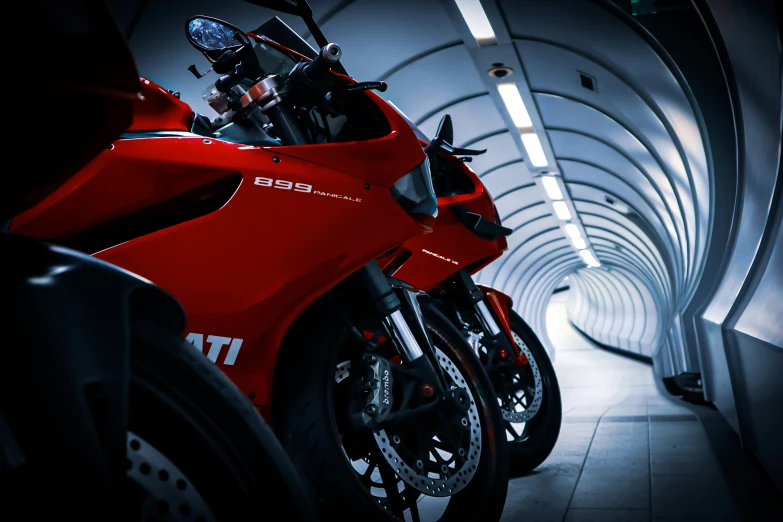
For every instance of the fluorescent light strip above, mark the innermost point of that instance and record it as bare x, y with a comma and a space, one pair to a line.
477, 21
579, 242
514, 105
588, 258
561, 209
572, 230
551, 186
534, 149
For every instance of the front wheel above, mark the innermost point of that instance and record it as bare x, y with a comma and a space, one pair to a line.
196, 447
423, 467
532, 410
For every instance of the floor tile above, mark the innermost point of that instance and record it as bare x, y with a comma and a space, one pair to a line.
618, 429
700, 519
561, 465
607, 515
612, 489
595, 463
693, 496
540, 497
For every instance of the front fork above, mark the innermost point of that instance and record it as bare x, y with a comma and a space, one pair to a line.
424, 389
494, 333
414, 346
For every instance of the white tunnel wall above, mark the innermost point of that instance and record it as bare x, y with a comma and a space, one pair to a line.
632, 157
616, 309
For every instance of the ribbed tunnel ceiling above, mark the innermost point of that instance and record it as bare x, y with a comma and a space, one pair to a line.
630, 151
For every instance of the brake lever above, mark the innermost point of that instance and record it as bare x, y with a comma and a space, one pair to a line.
337, 95
366, 86
451, 149
445, 146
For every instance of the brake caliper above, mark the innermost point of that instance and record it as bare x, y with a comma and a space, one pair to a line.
371, 391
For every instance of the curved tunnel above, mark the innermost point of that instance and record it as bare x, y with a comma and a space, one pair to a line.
650, 120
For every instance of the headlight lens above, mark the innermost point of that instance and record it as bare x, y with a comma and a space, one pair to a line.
415, 193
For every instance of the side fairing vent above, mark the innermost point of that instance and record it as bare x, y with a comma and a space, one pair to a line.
184, 207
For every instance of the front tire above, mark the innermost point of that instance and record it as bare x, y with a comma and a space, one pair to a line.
531, 443
308, 420
196, 446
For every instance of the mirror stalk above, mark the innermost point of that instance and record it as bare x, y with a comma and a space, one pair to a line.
195, 72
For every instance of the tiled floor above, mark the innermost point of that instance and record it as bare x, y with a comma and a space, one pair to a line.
625, 453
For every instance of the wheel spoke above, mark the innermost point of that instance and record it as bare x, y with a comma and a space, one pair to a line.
410, 497
366, 477
446, 437
389, 479
438, 458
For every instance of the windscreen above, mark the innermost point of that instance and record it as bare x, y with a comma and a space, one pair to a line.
419, 133
273, 61
278, 31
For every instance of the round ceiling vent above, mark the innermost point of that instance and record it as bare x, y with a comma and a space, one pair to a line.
499, 70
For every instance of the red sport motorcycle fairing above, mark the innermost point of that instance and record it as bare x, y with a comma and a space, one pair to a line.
265, 223
466, 237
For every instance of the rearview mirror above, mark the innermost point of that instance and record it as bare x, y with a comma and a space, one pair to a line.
210, 34
445, 129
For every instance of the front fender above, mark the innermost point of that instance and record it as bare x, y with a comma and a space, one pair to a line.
52, 281
501, 306
67, 319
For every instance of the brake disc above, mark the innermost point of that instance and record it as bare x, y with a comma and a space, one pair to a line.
168, 493
513, 410
447, 480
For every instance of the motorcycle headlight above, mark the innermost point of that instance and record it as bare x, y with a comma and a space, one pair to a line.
415, 193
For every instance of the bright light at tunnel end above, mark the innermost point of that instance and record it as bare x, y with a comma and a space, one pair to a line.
477, 21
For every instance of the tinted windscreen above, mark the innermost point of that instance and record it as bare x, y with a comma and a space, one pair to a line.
273, 61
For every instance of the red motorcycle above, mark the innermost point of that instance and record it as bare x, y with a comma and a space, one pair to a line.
265, 223
466, 237
100, 396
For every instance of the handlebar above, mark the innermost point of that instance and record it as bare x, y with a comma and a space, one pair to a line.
326, 59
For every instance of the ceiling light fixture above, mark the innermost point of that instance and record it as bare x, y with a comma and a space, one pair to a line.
552, 187
477, 21
588, 258
579, 242
561, 209
572, 230
534, 149
514, 105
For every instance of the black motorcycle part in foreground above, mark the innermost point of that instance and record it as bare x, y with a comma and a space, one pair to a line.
106, 412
